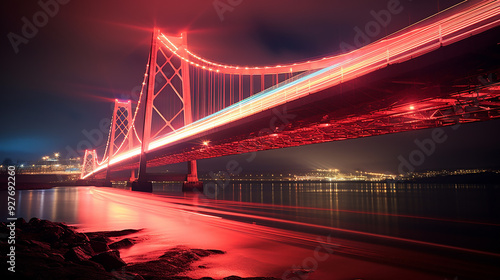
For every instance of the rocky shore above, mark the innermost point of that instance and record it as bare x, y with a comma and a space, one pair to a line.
50, 250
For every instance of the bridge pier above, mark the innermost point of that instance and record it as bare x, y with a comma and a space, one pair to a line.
132, 176
192, 183
140, 185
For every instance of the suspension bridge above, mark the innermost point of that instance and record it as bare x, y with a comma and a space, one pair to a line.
440, 71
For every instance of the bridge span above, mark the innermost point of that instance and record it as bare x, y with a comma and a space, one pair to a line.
441, 71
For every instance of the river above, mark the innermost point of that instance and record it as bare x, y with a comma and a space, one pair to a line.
461, 217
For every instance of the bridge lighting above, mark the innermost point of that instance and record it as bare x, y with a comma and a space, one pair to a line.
324, 76
56, 155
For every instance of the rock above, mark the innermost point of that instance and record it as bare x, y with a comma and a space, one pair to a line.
71, 236
39, 255
77, 254
87, 248
93, 235
93, 264
34, 221
24, 242
56, 257
204, 253
180, 256
99, 238
50, 232
99, 246
124, 243
125, 275
41, 244
55, 265
110, 260
215, 252
135, 276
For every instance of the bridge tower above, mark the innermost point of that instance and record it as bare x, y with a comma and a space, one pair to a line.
182, 90
89, 162
121, 132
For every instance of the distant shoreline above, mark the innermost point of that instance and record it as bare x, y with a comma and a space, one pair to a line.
37, 182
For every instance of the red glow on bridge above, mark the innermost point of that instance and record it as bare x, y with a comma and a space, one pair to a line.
206, 97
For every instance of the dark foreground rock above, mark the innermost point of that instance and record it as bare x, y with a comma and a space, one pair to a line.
174, 261
49, 250
124, 243
110, 260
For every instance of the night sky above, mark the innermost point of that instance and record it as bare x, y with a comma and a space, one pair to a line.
64, 78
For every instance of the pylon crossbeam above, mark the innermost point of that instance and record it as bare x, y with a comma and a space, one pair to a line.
89, 162
163, 118
169, 80
168, 123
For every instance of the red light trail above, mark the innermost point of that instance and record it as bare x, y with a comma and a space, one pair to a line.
451, 26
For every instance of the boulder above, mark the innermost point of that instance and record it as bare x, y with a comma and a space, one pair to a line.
71, 236
77, 254
125, 275
34, 221
56, 257
124, 243
204, 253
50, 232
99, 246
99, 238
42, 245
110, 260
92, 264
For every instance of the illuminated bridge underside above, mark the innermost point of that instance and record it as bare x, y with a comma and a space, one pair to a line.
452, 86
430, 76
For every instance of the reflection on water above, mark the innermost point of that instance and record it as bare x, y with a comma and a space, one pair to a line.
72, 205
459, 215
464, 215
457, 201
